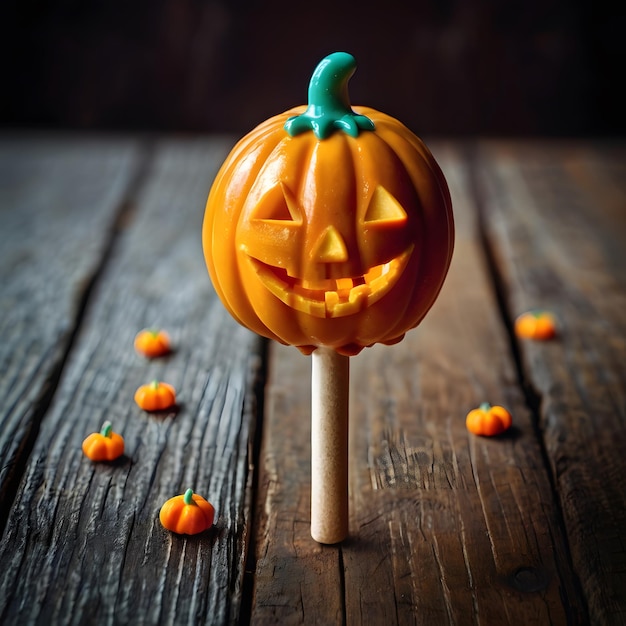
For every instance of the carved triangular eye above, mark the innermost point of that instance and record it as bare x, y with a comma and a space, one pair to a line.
278, 204
383, 207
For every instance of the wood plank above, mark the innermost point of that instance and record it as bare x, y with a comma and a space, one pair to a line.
445, 527
556, 218
59, 200
297, 581
83, 541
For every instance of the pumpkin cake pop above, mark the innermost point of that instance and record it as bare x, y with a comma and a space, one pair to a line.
329, 228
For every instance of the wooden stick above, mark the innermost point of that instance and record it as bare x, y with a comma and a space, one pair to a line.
330, 382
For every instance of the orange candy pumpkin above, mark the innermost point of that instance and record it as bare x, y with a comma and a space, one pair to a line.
540, 325
152, 343
105, 445
488, 420
187, 514
329, 225
155, 396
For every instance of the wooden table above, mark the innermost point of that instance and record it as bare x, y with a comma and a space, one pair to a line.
101, 237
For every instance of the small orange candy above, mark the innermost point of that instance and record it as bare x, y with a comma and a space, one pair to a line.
105, 445
155, 396
488, 420
540, 325
187, 514
152, 343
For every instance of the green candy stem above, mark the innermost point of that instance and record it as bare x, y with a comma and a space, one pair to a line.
106, 429
485, 406
188, 497
329, 103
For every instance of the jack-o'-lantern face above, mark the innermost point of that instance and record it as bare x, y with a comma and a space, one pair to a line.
320, 268
341, 241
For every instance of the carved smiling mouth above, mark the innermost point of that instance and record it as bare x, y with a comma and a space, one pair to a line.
332, 297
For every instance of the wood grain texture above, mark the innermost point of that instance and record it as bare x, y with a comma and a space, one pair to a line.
445, 527
59, 200
556, 217
83, 542
297, 580
101, 238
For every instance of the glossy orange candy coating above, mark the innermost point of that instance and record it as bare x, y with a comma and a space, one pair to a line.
342, 241
155, 396
187, 514
105, 445
488, 420
152, 343
540, 325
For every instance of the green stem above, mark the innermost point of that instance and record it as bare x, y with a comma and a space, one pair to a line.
107, 428
188, 497
329, 102
485, 406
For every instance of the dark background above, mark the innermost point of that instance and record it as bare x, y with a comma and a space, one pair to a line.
443, 67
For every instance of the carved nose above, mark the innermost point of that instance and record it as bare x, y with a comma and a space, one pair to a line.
330, 247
